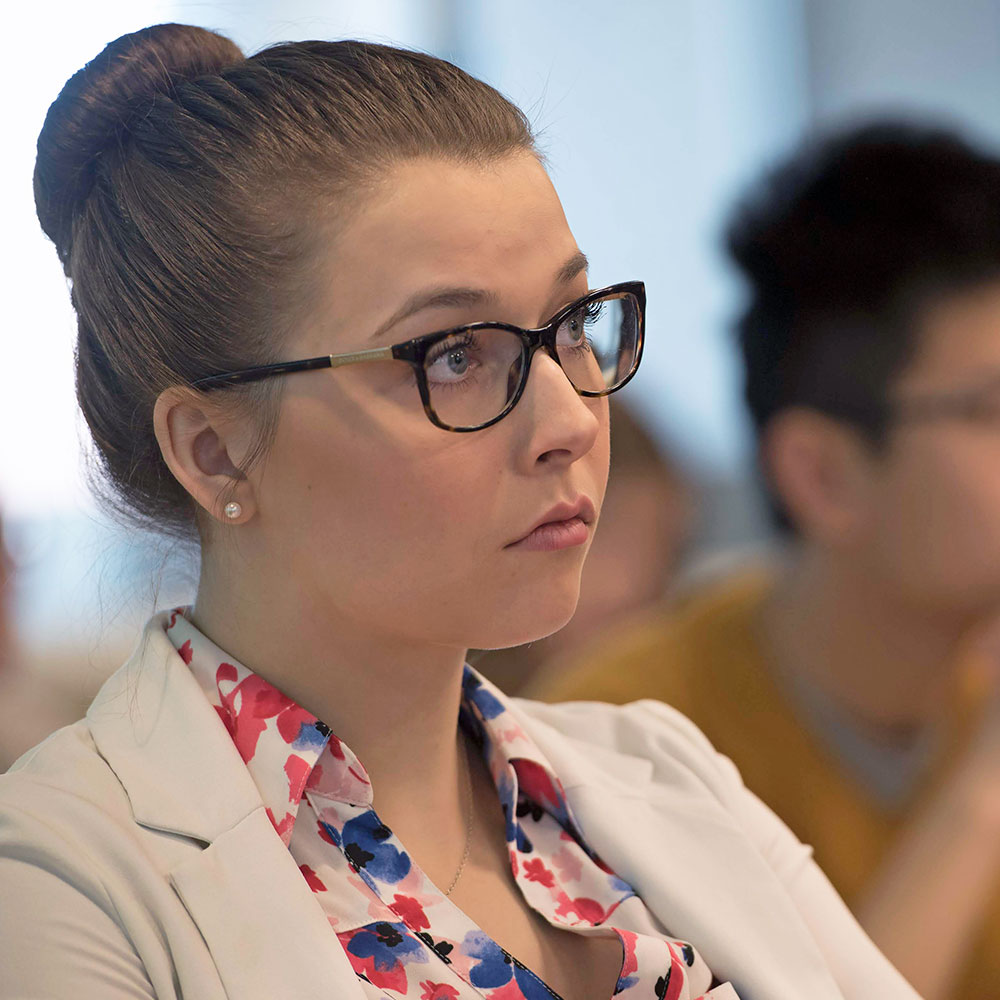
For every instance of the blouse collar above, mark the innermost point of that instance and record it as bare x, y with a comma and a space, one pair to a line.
287, 749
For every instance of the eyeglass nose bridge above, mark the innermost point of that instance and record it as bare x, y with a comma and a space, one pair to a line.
543, 338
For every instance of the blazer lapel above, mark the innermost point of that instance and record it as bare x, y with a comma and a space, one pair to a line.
267, 933
288, 948
695, 869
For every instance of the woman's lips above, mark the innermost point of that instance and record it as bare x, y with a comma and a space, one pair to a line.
554, 535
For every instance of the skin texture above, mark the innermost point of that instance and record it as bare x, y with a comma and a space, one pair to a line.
370, 553
895, 569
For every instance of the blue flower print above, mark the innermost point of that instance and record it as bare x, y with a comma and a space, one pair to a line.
328, 831
620, 885
487, 704
496, 968
368, 847
312, 736
625, 983
386, 944
515, 832
379, 953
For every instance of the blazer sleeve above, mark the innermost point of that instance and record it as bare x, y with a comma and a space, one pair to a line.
59, 936
859, 968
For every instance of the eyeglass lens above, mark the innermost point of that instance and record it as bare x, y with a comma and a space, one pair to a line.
473, 375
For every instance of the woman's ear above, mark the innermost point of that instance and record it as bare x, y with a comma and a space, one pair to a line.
204, 449
821, 471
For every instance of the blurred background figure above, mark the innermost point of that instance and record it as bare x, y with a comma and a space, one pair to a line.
32, 703
6, 611
853, 678
645, 524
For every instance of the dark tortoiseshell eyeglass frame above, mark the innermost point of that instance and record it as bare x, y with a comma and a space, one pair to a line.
415, 352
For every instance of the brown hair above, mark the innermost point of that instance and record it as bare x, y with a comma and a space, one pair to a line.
178, 181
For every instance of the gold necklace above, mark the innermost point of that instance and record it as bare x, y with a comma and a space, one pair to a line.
468, 820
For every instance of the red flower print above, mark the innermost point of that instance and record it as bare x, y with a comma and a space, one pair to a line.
186, 652
297, 771
673, 982
511, 990
291, 718
568, 865
535, 871
600, 864
437, 991
534, 782
283, 828
312, 879
628, 940
358, 777
324, 834
374, 960
225, 674
249, 705
411, 912
589, 911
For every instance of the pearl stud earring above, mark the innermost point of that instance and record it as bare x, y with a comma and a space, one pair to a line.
233, 510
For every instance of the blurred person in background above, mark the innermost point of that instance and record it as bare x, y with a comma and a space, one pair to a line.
6, 597
646, 521
31, 705
851, 678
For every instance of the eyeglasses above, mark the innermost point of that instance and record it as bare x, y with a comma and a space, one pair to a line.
469, 377
975, 404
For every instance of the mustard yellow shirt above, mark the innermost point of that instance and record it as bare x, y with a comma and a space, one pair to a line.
705, 656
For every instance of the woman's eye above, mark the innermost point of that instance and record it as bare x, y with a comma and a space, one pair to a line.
457, 361
573, 330
451, 360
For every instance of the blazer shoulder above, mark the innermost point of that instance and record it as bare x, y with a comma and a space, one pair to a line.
647, 729
58, 783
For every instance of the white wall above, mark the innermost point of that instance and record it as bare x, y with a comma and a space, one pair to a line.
653, 115
941, 58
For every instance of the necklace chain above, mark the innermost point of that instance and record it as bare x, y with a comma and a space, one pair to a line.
468, 818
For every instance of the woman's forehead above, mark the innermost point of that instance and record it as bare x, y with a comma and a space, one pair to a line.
430, 213
495, 228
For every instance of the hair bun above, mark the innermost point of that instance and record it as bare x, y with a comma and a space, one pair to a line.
97, 103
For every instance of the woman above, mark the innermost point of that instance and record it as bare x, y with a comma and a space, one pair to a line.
234, 229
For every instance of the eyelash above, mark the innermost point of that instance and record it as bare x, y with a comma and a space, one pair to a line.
442, 347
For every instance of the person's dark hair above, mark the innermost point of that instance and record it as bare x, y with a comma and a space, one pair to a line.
843, 246
180, 183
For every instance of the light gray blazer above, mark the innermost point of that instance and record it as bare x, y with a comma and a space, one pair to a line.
136, 859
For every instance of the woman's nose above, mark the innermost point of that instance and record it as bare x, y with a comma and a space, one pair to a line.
563, 425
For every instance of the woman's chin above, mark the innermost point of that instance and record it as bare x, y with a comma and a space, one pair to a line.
521, 632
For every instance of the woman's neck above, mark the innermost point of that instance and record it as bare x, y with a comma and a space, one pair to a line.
884, 662
394, 702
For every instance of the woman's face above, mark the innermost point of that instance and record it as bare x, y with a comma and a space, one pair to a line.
373, 514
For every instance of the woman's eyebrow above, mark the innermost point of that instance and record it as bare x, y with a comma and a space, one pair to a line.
458, 298
437, 298
575, 266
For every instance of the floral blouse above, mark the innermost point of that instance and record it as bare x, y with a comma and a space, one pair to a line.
402, 935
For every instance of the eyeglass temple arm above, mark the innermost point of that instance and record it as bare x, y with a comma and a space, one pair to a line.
353, 357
